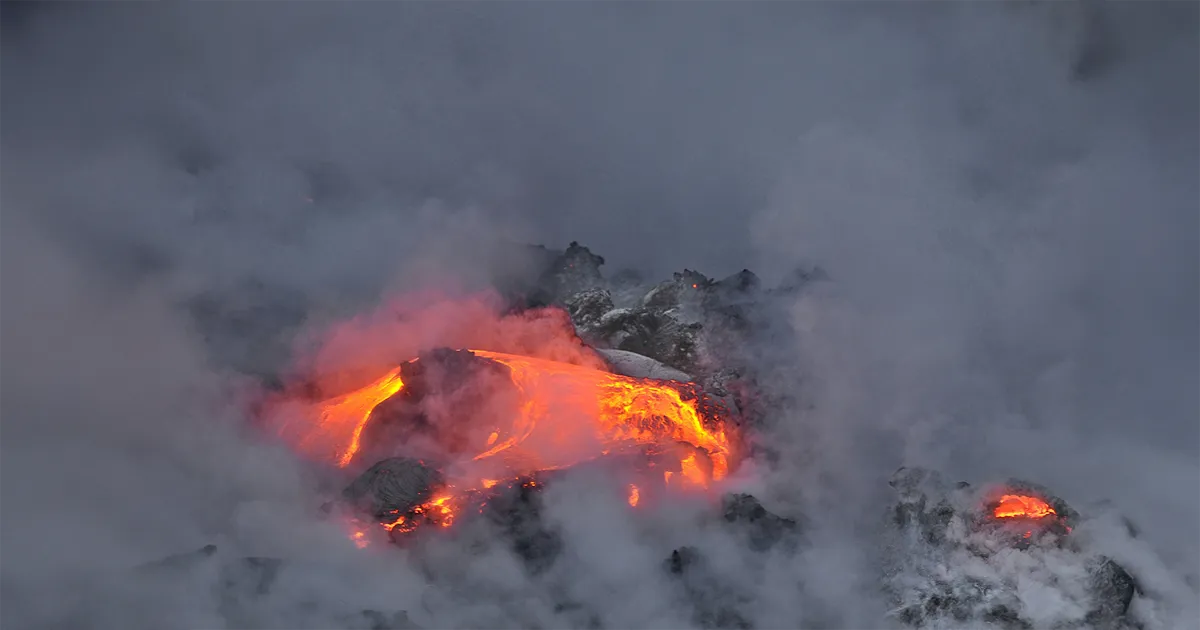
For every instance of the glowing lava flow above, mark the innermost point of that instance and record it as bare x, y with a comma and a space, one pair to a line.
618, 404
566, 414
1020, 506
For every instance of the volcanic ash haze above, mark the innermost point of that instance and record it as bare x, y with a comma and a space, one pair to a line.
1003, 196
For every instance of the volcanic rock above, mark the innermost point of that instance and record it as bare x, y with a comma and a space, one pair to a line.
951, 559
576, 269
714, 600
442, 389
392, 486
515, 510
587, 308
673, 293
690, 322
681, 559
764, 529
1114, 589
641, 366
658, 335
241, 585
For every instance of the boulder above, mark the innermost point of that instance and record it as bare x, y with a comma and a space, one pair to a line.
763, 529
392, 486
641, 366
951, 560
715, 602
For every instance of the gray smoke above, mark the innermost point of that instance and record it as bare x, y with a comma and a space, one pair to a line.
1005, 196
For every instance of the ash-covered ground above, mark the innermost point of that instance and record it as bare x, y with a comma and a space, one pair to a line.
973, 232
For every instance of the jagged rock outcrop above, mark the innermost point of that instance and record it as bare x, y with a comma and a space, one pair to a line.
716, 599
763, 529
517, 513
393, 486
716, 603
954, 556
574, 270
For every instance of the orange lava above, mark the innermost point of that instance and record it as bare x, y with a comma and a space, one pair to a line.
1020, 506
566, 414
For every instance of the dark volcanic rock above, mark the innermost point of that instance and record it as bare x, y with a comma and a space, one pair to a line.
690, 322
714, 599
953, 562
393, 486
1114, 589
449, 398
515, 510
682, 296
657, 335
763, 528
576, 269
922, 504
681, 559
587, 308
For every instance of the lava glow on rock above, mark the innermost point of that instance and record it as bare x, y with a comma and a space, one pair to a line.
1020, 506
1029, 511
555, 398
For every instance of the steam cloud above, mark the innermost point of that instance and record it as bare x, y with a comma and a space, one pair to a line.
1005, 195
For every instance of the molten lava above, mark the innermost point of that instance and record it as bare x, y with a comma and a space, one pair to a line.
1020, 506
1025, 510
566, 414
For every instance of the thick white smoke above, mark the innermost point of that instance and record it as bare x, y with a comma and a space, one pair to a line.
1005, 197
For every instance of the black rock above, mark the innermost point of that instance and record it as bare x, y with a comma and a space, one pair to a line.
742, 282
954, 524
765, 529
714, 599
682, 286
393, 486
515, 510
576, 269
1113, 588
681, 559
621, 328
588, 307
429, 417
923, 504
